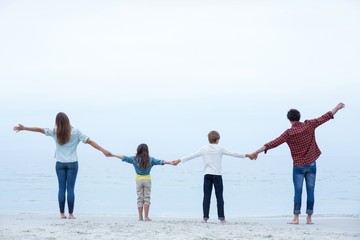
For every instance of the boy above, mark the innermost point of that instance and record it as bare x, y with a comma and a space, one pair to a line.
212, 156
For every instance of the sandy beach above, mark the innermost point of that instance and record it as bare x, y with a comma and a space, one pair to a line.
42, 226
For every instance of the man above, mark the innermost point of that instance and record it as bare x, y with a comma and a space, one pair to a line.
304, 151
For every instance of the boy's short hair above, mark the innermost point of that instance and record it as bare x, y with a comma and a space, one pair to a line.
213, 136
293, 115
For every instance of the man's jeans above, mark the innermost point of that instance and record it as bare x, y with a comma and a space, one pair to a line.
308, 173
209, 181
66, 173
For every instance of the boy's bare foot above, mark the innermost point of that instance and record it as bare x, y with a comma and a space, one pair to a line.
295, 220
308, 220
62, 216
71, 216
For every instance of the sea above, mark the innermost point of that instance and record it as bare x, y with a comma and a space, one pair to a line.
106, 186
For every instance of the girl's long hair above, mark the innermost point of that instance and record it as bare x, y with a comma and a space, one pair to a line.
142, 155
63, 128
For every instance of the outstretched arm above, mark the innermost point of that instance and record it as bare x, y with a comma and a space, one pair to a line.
21, 127
98, 147
169, 162
337, 108
117, 156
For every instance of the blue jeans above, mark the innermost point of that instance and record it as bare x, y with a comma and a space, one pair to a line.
66, 173
209, 181
308, 173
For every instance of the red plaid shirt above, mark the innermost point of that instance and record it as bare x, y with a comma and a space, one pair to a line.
301, 140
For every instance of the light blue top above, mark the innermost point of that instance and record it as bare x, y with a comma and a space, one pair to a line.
68, 152
136, 161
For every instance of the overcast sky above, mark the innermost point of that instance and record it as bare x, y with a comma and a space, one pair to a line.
167, 72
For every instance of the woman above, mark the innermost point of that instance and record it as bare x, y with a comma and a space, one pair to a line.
66, 139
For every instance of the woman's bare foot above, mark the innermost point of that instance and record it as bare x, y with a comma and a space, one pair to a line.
295, 220
147, 219
71, 216
223, 221
204, 220
308, 220
62, 216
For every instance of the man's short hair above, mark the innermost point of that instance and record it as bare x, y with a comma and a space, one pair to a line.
293, 115
213, 136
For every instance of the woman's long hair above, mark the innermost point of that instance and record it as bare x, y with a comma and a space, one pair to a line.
63, 128
142, 155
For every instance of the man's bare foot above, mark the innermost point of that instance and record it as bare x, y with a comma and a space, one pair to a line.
140, 219
147, 219
71, 216
295, 220
308, 220
62, 216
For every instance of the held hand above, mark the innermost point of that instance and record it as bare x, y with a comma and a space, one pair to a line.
176, 162
107, 153
253, 156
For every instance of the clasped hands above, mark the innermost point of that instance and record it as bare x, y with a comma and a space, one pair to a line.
252, 156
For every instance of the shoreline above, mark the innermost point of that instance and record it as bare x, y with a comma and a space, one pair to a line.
112, 226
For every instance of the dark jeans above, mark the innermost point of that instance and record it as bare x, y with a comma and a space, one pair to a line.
66, 173
308, 173
209, 181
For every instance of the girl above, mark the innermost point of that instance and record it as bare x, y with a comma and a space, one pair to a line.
66, 139
143, 163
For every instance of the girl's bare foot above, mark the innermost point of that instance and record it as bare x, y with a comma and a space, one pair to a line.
62, 216
71, 216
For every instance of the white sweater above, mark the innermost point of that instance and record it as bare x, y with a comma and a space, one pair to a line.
212, 156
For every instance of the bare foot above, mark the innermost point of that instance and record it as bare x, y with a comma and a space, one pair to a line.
294, 222
223, 221
140, 219
308, 220
204, 221
295, 219
147, 219
62, 216
71, 216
